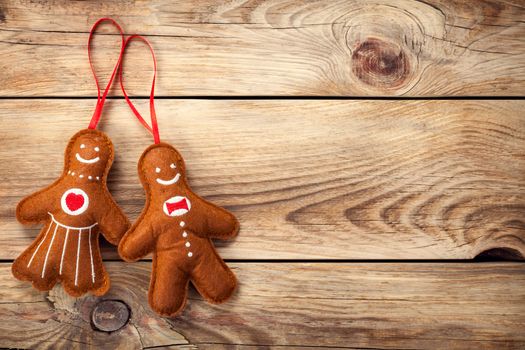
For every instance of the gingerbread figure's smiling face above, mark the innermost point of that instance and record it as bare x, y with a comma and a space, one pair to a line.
88, 155
162, 166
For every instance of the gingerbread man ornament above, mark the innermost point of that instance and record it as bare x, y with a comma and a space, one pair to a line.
75, 209
177, 226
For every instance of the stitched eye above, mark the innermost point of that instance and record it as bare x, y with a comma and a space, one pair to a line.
157, 170
97, 149
82, 146
173, 166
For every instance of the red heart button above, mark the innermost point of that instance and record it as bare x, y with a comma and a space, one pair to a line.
74, 201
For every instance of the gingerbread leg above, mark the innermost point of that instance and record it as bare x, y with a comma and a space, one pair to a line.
81, 265
37, 263
168, 288
213, 279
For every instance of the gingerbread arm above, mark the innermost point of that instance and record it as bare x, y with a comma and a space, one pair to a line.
36, 207
212, 221
112, 221
139, 241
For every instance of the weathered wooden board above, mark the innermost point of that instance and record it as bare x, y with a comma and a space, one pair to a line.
386, 306
370, 48
307, 179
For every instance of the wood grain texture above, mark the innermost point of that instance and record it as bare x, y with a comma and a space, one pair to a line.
34, 320
384, 306
367, 48
307, 179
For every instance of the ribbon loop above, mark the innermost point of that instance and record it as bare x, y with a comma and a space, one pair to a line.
102, 98
154, 129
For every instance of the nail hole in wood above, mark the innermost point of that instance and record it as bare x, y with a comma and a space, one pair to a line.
495, 254
110, 315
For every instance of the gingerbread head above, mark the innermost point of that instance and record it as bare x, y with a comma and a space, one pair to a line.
89, 153
74, 210
162, 166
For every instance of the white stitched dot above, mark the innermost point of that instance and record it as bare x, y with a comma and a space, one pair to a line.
69, 171
182, 223
73, 173
157, 170
97, 149
173, 166
184, 234
82, 146
98, 178
190, 254
188, 244
90, 177
80, 176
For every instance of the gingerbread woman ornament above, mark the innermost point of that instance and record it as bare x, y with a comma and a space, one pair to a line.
75, 209
177, 226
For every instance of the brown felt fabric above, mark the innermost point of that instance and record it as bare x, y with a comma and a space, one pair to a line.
67, 248
181, 239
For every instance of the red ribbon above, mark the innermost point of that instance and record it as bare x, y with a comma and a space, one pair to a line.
101, 99
154, 129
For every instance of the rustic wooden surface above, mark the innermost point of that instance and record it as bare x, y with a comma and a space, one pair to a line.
311, 180
367, 305
307, 179
293, 47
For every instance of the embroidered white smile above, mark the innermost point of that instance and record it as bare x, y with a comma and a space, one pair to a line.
169, 182
87, 161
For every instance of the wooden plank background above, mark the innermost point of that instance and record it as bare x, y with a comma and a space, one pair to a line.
292, 47
370, 305
307, 179
350, 208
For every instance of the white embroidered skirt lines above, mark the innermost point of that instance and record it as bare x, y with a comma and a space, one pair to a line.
68, 229
63, 251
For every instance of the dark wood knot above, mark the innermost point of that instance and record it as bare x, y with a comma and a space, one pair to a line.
110, 315
498, 254
380, 63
